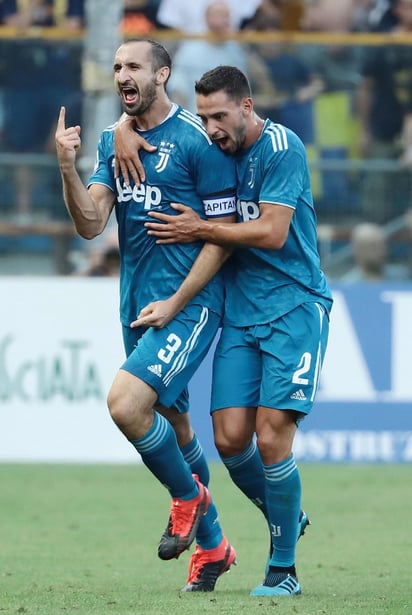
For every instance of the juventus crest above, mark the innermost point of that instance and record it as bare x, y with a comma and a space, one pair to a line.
165, 149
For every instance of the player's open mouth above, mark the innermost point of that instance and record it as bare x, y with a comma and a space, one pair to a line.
130, 95
221, 141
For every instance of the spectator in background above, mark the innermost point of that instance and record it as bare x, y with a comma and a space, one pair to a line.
107, 265
349, 15
5, 20
384, 106
139, 17
195, 57
380, 16
329, 15
267, 16
285, 84
370, 253
24, 14
7, 13
40, 76
104, 261
189, 15
338, 65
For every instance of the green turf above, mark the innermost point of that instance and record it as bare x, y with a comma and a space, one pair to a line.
83, 539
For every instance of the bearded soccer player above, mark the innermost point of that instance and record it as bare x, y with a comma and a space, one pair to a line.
148, 399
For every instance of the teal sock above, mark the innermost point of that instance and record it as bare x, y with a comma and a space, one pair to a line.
283, 495
161, 454
246, 471
195, 457
209, 533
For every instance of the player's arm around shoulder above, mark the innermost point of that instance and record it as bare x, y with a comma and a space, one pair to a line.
269, 231
127, 144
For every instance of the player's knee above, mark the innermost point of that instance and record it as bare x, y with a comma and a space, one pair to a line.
118, 409
231, 444
126, 415
273, 449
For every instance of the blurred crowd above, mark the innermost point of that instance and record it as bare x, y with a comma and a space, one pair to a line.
348, 103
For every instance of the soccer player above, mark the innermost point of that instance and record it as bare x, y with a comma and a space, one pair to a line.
268, 360
148, 398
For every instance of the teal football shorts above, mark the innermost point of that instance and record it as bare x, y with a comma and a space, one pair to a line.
276, 365
167, 358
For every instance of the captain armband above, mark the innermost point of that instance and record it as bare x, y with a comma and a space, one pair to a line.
218, 206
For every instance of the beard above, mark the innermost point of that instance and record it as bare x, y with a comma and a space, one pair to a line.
148, 95
238, 139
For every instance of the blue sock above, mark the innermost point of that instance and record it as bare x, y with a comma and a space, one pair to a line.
209, 534
283, 495
162, 456
246, 471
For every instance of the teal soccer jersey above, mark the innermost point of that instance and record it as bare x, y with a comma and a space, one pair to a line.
266, 284
186, 168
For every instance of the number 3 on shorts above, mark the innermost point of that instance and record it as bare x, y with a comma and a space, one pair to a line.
166, 354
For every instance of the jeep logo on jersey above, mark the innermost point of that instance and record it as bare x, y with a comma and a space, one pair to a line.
149, 195
248, 210
164, 152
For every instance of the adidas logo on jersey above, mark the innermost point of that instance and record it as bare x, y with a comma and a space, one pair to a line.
155, 369
299, 395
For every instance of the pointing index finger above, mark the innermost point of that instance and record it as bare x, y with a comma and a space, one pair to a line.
62, 117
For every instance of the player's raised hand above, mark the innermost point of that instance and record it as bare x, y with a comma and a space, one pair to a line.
68, 140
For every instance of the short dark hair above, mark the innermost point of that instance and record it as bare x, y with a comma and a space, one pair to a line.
159, 55
227, 78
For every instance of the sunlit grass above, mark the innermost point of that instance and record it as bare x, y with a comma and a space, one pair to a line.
83, 539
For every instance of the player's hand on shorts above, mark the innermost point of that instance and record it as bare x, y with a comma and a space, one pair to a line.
157, 314
68, 140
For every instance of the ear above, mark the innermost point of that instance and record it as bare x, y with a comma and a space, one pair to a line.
162, 75
247, 105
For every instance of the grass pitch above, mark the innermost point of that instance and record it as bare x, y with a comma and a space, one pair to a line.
80, 540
